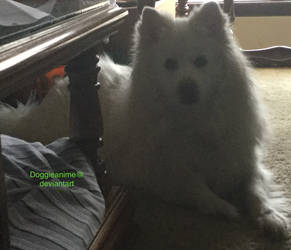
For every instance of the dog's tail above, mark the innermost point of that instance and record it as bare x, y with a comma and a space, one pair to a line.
50, 119
42, 122
10, 116
113, 75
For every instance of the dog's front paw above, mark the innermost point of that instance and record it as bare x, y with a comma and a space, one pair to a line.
229, 211
221, 207
274, 225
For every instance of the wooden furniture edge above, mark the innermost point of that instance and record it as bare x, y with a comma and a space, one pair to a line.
54, 46
87, 128
114, 225
39, 52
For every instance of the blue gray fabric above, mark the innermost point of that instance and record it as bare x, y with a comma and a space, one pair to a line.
50, 218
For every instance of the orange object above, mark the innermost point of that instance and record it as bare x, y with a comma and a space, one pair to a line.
57, 72
45, 82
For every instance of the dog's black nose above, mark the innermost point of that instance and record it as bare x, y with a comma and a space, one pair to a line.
188, 91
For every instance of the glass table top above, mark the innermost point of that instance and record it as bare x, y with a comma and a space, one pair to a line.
19, 17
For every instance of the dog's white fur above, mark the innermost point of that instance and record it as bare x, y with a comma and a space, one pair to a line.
203, 154
33, 122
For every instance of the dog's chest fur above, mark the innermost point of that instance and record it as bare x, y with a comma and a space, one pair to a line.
165, 143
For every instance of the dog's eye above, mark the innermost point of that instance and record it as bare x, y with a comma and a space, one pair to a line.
200, 61
171, 64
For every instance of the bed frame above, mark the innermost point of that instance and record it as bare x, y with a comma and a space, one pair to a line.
74, 43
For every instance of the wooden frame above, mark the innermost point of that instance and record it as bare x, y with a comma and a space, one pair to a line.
116, 222
39, 52
87, 131
74, 42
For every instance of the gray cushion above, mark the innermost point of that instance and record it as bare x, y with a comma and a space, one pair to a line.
55, 213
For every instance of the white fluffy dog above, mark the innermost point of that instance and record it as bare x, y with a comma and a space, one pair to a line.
187, 123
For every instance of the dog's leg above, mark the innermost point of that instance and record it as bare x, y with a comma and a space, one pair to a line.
210, 203
267, 206
189, 189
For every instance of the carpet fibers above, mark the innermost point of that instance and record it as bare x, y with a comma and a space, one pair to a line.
166, 227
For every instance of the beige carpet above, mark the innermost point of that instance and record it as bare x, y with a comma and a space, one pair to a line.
165, 227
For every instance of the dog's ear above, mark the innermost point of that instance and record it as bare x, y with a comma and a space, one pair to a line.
210, 16
152, 25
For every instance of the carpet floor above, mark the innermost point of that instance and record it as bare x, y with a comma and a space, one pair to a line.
163, 227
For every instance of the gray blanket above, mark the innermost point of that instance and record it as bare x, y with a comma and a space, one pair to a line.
54, 200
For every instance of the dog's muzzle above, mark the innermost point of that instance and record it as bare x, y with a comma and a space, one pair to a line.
188, 91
